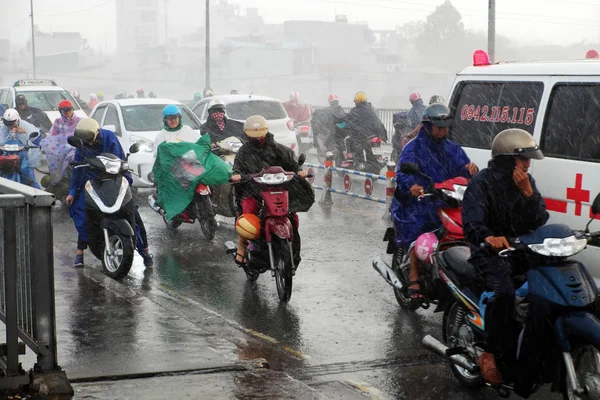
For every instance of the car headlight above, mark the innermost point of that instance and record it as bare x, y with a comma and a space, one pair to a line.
273, 179
565, 247
145, 144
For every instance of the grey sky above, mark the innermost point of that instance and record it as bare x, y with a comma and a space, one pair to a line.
529, 21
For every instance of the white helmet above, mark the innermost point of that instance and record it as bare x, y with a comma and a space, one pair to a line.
11, 115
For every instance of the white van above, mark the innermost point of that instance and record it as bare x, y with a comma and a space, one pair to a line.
559, 104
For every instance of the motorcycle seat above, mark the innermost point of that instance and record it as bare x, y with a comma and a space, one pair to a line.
457, 260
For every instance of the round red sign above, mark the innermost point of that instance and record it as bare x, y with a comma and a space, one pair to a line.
311, 173
347, 182
368, 186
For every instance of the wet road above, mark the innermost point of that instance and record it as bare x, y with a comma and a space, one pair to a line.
342, 332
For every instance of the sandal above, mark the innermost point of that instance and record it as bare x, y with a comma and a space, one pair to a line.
415, 294
241, 259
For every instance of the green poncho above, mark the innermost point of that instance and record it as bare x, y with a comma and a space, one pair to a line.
180, 167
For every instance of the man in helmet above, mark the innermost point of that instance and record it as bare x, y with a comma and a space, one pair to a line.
33, 115
502, 201
173, 128
141, 93
208, 93
58, 150
93, 101
416, 112
16, 131
259, 152
96, 141
219, 127
438, 158
100, 96
297, 111
323, 123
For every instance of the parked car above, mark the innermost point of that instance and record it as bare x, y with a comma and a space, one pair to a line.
139, 120
239, 107
44, 94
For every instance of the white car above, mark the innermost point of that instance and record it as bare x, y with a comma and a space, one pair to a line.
139, 120
44, 94
239, 107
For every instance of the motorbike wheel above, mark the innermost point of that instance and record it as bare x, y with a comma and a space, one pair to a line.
284, 268
586, 359
450, 331
119, 264
206, 217
402, 296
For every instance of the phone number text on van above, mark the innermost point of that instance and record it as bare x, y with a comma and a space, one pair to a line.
498, 114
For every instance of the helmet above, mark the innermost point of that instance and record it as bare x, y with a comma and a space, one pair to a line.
65, 105
140, 90
414, 96
20, 99
256, 126
436, 99
592, 54
234, 91
516, 142
438, 115
217, 106
360, 97
119, 96
197, 96
75, 94
11, 117
208, 93
294, 95
248, 226
171, 110
100, 94
425, 245
332, 97
87, 130
93, 96
152, 95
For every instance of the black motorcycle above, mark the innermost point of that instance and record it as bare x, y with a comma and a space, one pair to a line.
110, 211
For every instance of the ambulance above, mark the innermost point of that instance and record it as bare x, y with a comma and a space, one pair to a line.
559, 104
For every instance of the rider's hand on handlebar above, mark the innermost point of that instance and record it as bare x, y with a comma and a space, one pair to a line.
236, 178
417, 190
497, 242
302, 174
69, 200
473, 169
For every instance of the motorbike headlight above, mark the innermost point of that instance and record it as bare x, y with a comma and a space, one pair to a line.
145, 144
460, 189
111, 166
565, 247
273, 179
454, 194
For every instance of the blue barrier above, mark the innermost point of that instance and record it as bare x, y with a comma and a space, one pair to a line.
350, 171
350, 194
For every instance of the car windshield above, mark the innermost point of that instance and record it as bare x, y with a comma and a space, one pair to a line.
148, 117
268, 109
48, 100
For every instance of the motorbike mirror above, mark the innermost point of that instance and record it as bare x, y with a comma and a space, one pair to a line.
75, 142
134, 148
301, 159
595, 211
34, 135
410, 168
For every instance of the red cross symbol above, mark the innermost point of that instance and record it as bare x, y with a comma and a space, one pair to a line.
577, 194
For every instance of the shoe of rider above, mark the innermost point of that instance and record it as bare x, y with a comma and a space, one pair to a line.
148, 258
78, 261
489, 370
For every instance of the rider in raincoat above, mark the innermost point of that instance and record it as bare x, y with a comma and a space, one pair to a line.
13, 130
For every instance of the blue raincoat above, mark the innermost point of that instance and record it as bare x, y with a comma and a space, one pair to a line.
108, 144
27, 171
440, 161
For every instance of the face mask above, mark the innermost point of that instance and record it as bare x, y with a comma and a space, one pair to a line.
259, 142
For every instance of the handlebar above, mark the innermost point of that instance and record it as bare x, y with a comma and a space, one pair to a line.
250, 177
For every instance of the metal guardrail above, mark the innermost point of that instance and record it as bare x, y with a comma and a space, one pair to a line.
27, 304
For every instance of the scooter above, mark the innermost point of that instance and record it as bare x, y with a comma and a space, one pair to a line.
110, 210
451, 234
356, 157
223, 196
304, 136
558, 335
273, 250
14, 158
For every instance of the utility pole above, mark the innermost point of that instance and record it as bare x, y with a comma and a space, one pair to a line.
492, 31
33, 40
207, 46
166, 25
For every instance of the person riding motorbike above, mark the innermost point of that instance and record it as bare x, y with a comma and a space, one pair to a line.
219, 127
416, 112
259, 152
152, 95
324, 128
402, 132
173, 129
93, 101
141, 93
197, 96
297, 111
208, 93
100, 96
440, 159
84, 106
13, 130
501, 201
97, 141
55, 145
33, 115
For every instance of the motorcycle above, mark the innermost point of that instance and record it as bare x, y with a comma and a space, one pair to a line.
304, 136
223, 196
450, 234
365, 157
273, 250
558, 336
110, 210
187, 168
14, 157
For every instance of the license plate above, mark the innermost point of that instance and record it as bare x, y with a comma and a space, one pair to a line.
306, 139
377, 151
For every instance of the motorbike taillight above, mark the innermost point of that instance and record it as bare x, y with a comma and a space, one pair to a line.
10, 163
376, 142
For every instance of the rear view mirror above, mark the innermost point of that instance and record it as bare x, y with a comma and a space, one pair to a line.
596, 205
34, 135
301, 159
134, 148
410, 168
75, 142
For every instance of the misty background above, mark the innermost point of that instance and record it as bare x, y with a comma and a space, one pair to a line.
387, 48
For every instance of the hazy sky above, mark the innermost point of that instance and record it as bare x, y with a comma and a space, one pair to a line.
548, 21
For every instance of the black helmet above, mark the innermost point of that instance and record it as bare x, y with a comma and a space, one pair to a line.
216, 108
438, 115
20, 99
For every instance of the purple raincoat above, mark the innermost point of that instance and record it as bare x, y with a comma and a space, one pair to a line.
56, 147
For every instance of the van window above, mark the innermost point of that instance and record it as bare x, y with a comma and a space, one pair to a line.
483, 109
572, 123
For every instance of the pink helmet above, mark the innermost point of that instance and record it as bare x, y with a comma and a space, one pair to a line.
592, 54
332, 97
414, 96
425, 245
294, 96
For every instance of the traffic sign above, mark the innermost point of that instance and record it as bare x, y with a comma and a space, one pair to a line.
368, 186
347, 182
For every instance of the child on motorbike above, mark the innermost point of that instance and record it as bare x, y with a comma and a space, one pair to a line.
259, 152
16, 131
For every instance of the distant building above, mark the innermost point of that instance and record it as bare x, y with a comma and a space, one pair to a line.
137, 28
